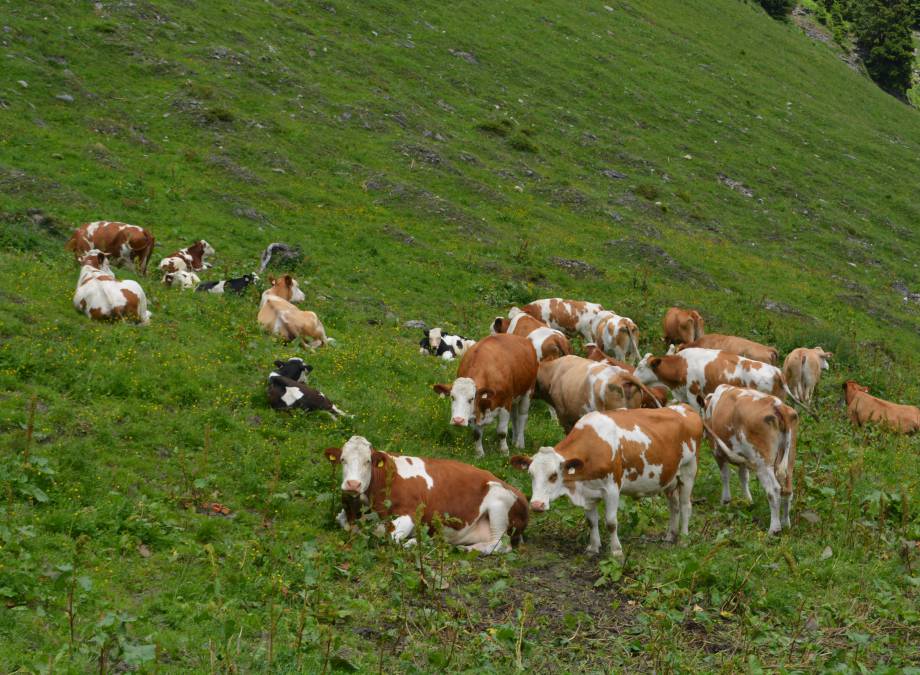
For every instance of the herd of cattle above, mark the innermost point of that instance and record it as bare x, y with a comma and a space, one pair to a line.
631, 428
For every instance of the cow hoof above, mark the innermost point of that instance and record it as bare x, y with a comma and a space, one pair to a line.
593, 550
776, 532
618, 554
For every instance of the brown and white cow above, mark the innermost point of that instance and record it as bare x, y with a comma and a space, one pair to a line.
693, 373
625, 452
495, 379
183, 280
683, 326
736, 345
101, 296
755, 432
280, 317
549, 343
862, 408
473, 508
189, 259
123, 243
617, 336
802, 370
655, 396
574, 386
572, 317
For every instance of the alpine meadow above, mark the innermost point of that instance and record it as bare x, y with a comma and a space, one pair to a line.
439, 163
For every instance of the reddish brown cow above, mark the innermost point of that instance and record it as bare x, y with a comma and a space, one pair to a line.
654, 396
682, 325
862, 408
572, 317
496, 378
736, 345
473, 508
624, 452
189, 259
123, 243
549, 343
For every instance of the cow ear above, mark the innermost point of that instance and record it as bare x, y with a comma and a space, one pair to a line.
497, 325
572, 465
485, 394
655, 361
271, 279
334, 455
770, 419
288, 280
520, 462
308, 368
280, 364
378, 459
442, 390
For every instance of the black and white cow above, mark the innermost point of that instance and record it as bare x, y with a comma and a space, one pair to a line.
287, 389
237, 285
444, 346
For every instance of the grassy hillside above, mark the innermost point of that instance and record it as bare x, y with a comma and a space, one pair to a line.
438, 162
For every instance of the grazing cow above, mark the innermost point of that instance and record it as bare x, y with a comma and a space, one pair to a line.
692, 373
495, 379
102, 297
183, 280
279, 317
473, 508
549, 343
624, 452
616, 335
443, 345
238, 285
574, 386
755, 432
682, 326
863, 407
287, 389
802, 370
655, 396
123, 243
736, 345
189, 259
572, 317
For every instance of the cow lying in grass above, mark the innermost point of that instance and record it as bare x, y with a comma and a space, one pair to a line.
188, 259
443, 345
101, 296
625, 452
288, 390
495, 380
280, 317
182, 280
237, 285
863, 408
755, 432
472, 508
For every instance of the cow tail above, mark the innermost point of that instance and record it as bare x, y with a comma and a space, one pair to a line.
635, 347
782, 468
795, 400
145, 256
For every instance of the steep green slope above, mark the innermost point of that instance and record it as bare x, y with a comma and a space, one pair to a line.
441, 163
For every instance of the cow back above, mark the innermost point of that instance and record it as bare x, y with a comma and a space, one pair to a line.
504, 363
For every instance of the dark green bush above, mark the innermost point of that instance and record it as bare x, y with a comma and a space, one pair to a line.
778, 9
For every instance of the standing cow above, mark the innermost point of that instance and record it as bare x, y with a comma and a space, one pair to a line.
736, 345
755, 432
692, 373
121, 242
802, 370
655, 396
683, 326
572, 317
101, 296
495, 379
549, 343
617, 336
625, 452
474, 508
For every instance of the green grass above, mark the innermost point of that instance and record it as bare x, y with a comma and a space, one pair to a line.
348, 129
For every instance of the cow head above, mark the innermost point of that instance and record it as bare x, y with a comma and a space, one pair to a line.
181, 279
294, 369
647, 370
851, 388
286, 287
96, 259
823, 357
206, 248
434, 339
545, 469
468, 405
358, 460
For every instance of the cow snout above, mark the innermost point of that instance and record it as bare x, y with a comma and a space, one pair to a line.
537, 505
459, 421
352, 486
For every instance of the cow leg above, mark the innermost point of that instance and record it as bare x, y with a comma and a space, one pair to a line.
504, 417
611, 505
674, 508
785, 504
402, 528
477, 437
725, 470
687, 479
771, 486
744, 477
520, 420
594, 538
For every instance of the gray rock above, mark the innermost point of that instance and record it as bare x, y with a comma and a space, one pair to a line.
612, 173
466, 56
415, 323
